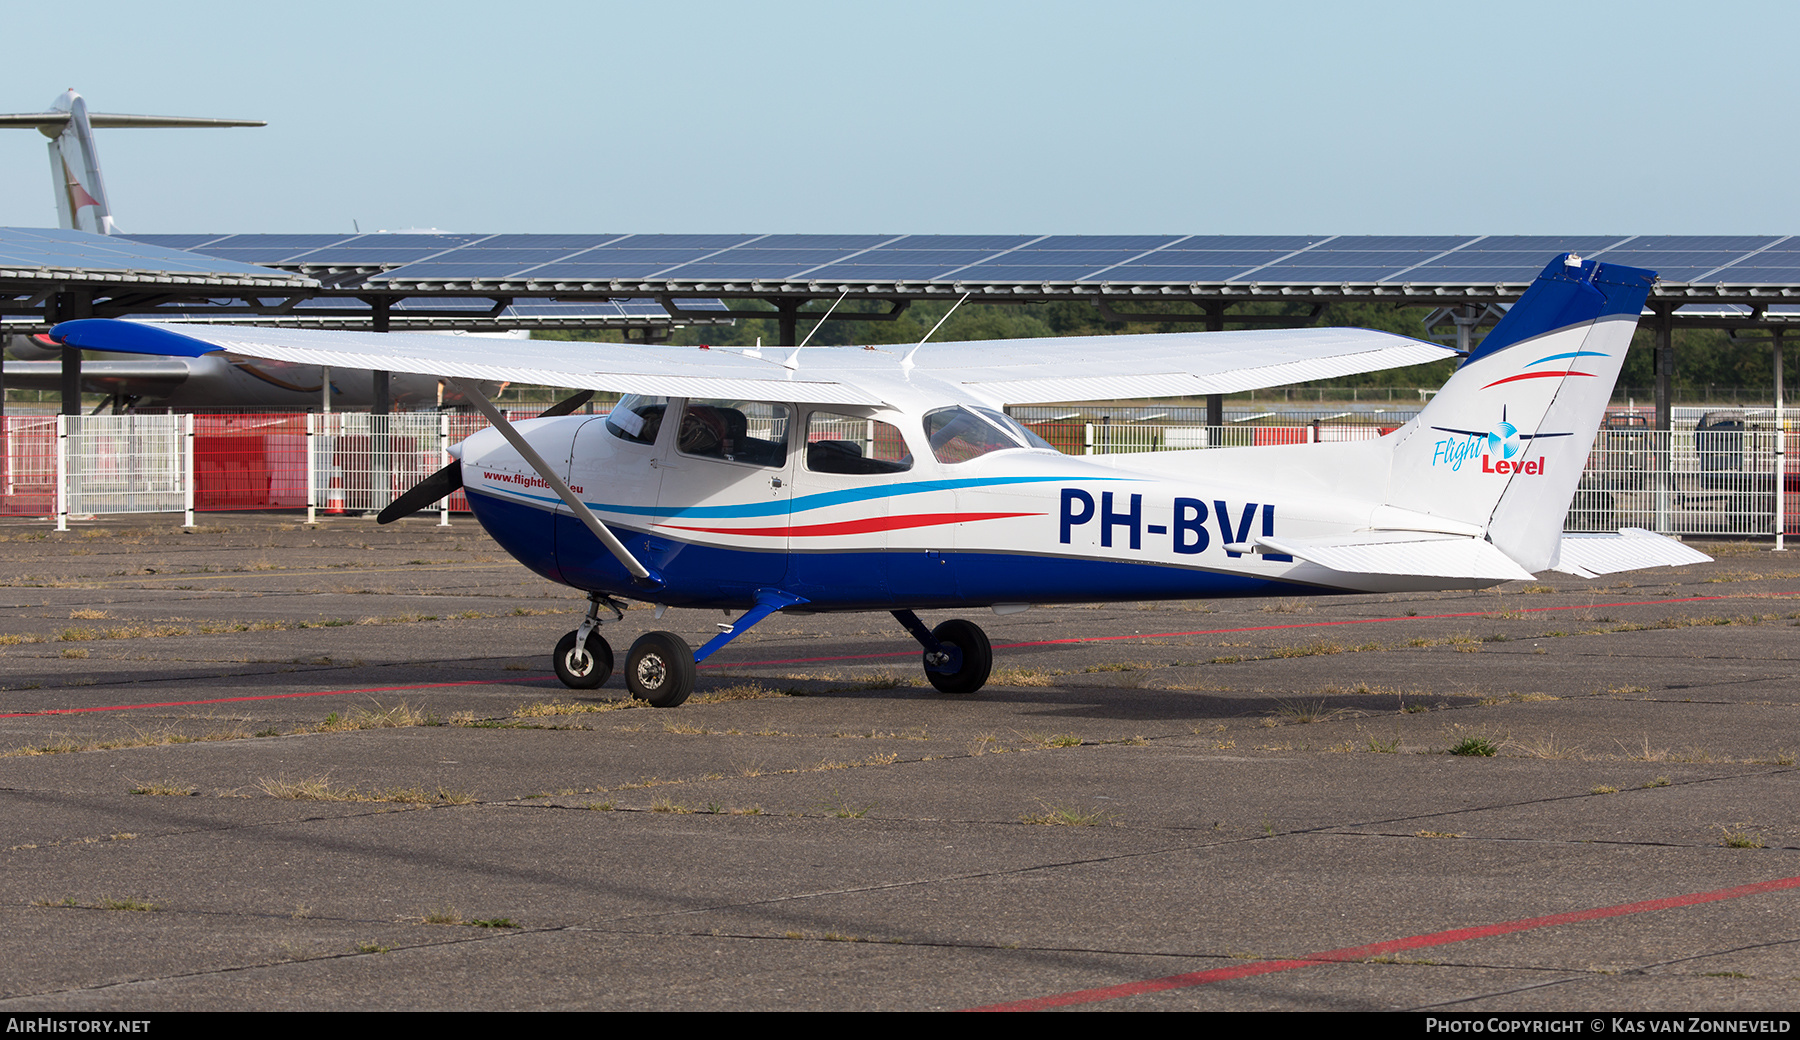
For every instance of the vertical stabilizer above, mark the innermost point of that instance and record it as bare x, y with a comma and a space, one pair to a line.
75, 167
75, 164
1502, 446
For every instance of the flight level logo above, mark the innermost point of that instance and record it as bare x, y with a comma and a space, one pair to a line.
1503, 440
1499, 449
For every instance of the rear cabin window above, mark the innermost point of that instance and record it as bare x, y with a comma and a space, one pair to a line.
752, 432
850, 444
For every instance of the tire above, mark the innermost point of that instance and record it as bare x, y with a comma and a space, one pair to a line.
583, 671
977, 657
660, 669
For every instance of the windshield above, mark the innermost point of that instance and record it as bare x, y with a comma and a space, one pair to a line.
960, 434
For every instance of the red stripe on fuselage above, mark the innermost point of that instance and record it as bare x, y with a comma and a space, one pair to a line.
1537, 375
866, 525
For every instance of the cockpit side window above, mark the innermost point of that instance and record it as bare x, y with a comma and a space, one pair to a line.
753, 432
837, 443
637, 419
960, 434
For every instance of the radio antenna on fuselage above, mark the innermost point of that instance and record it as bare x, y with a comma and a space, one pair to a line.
907, 361
821, 322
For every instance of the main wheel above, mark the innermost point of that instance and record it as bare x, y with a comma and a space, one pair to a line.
977, 657
584, 669
660, 669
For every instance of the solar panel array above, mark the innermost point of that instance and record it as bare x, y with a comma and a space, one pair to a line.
24, 251
426, 311
441, 260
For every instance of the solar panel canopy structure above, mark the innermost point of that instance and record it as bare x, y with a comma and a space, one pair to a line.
656, 281
348, 269
59, 258
1759, 275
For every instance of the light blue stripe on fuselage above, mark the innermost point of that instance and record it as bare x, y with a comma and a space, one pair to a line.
782, 507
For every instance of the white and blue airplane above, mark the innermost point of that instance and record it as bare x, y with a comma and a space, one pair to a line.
875, 478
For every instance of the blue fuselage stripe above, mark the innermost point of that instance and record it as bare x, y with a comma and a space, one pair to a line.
783, 507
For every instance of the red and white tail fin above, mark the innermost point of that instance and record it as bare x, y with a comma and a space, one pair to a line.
75, 168
81, 203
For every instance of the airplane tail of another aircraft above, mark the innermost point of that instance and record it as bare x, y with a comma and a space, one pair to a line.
75, 168
1502, 446
81, 203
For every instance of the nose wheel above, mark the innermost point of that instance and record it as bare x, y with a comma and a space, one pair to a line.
660, 669
583, 660
586, 667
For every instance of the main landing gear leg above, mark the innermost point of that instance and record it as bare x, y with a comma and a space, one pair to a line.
660, 667
584, 660
957, 654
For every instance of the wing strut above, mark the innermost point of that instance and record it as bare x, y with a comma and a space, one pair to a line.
473, 393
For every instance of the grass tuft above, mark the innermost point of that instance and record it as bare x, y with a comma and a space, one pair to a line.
1480, 747
1064, 816
1741, 836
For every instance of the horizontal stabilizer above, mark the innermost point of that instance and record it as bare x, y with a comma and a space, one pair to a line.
1407, 553
1632, 549
55, 121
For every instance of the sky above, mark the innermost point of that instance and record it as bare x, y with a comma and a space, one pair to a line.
971, 117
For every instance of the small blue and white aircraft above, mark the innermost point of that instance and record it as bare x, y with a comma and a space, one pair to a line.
870, 478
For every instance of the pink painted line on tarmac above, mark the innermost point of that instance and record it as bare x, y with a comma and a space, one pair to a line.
1261, 628
1361, 953
266, 697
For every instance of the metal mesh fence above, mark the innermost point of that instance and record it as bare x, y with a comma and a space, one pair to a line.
1716, 475
28, 457
1682, 482
124, 464
1073, 438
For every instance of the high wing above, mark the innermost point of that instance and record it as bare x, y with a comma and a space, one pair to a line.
1004, 371
1178, 364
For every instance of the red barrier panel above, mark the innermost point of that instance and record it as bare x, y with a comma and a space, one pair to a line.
28, 465
250, 461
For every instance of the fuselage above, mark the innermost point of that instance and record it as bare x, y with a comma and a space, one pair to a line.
878, 508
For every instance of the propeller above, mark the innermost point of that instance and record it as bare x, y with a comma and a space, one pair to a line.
449, 480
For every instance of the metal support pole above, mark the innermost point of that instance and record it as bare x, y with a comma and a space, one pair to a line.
788, 321
444, 460
62, 472
1465, 318
68, 306
1215, 403
1665, 379
1665, 368
187, 468
1780, 451
312, 468
380, 441
71, 381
